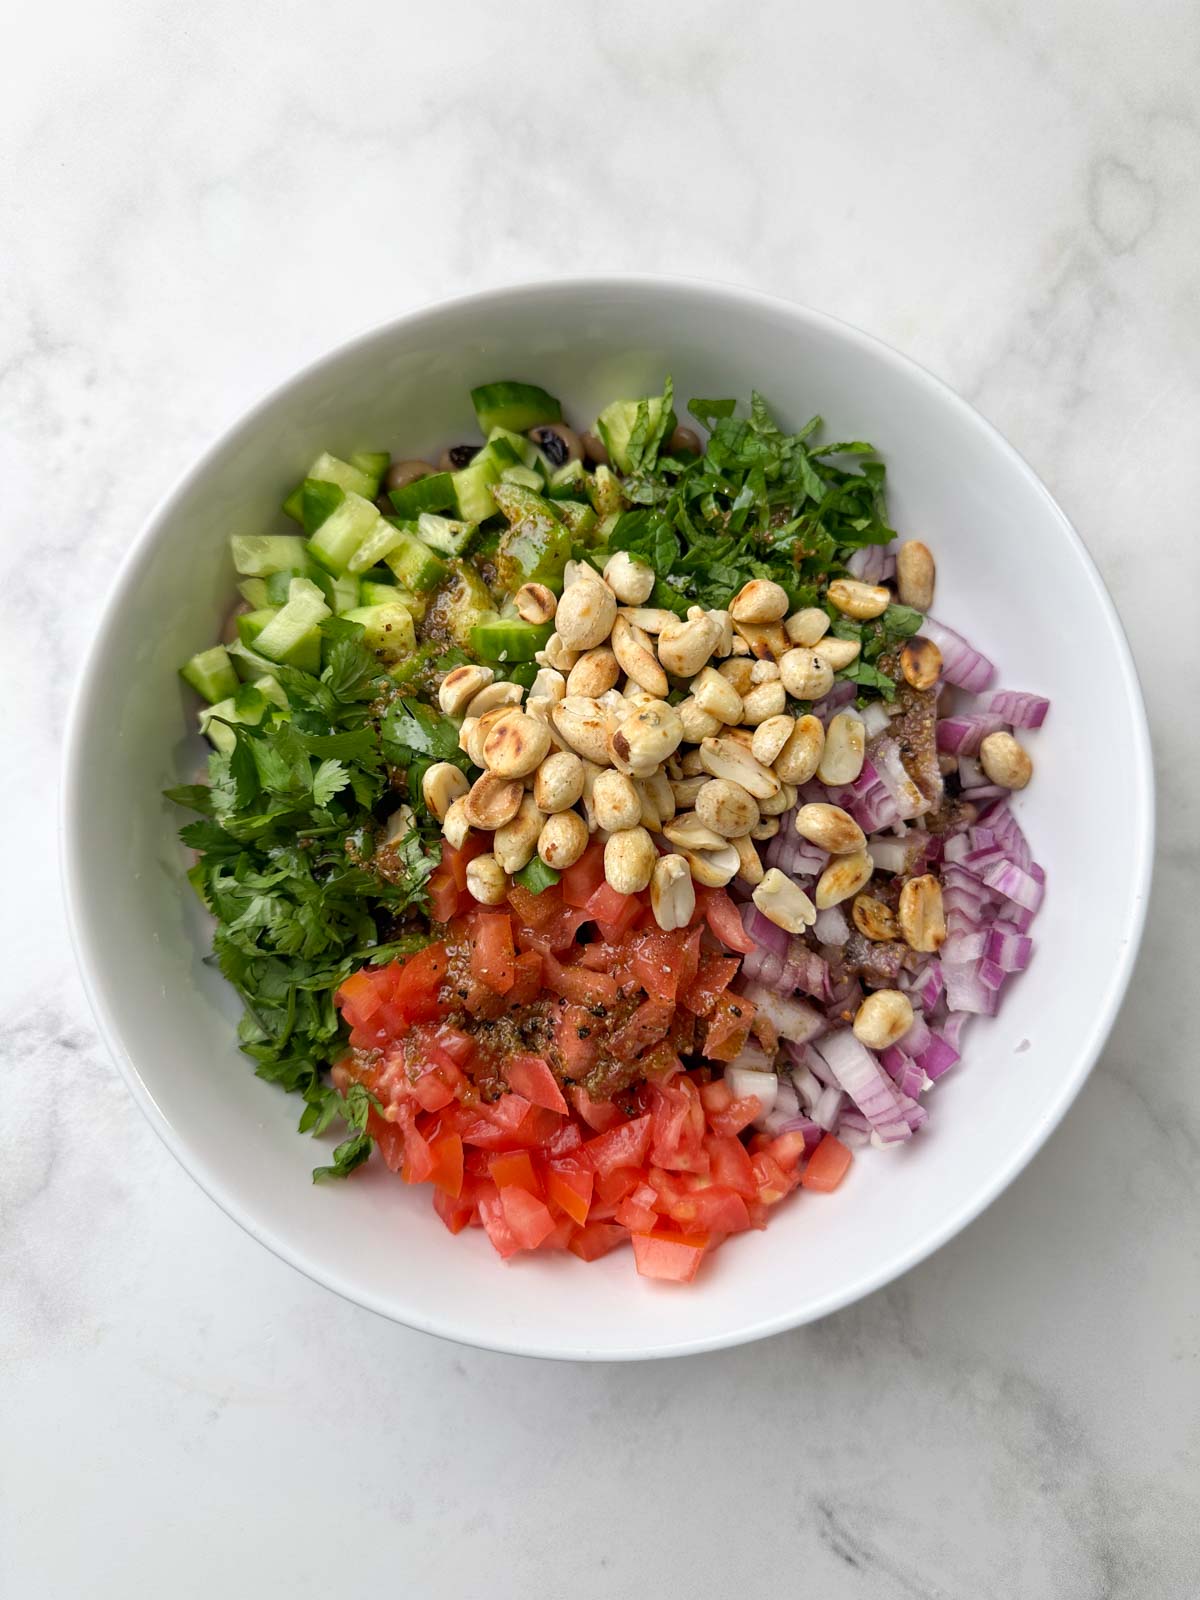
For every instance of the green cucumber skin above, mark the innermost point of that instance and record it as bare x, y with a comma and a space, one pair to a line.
211, 674
472, 485
509, 638
434, 493
260, 555
516, 407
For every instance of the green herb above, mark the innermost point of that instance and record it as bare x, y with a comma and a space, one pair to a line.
536, 876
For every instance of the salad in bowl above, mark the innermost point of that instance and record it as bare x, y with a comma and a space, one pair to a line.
599, 827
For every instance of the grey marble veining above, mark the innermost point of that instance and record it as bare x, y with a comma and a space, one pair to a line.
196, 199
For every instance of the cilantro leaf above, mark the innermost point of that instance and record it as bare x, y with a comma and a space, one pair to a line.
349, 1155
329, 779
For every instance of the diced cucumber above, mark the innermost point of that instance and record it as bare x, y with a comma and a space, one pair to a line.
604, 491
318, 502
473, 490
448, 537
519, 450
467, 603
518, 406
258, 555
377, 546
434, 493
371, 593
248, 706
255, 593
579, 518
569, 482
616, 423
356, 476
211, 674
251, 623
292, 634
415, 565
373, 462
535, 546
304, 653
525, 476
388, 629
341, 534
505, 638
407, 671
346, 593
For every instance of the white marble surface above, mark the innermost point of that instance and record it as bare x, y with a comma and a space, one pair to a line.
196, 198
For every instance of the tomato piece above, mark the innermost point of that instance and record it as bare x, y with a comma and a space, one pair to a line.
492, 952
527, 979
531, 1077
579, 984
447, 1173
363, 993
827, 1165
596, 1239
773, 1181
569, 1185
678, 1117
715, 974
729, 1163
613, 910
579, 883
715, 1209
456, 861
601, 957
432, 1092
514, 1169
415, 995
455, 1213
624, 1145
544, 923
648, 1024
491, 1214
673, 1257
612, 1186
788, 1149
389, 1137
598, 1114
739, 1114
527, 1216
728, 1026
418, 1157
722, 917
565, 1139
443, 895
665, 963
577, 1037
635, 1212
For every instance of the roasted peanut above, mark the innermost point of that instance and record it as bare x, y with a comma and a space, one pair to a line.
766, 640
645, 739
590, 773
689, 833
860, 600
658, 800
629, 858
685, 790
843, 877
516, 842
480, 728
630, 580
713, 869
760, 600
920, 662
556, 655
837, 653
801, 755
922, 917
764, 671
486, 880
1005, 762
874, 920
672, 893
805, 675
585, 613
727, 758
784, 902
594, 673
584, 727
764, 700
465, 730
516, 745
725, 637
726, 808
615, 802
460, 686
807, 626
883, 1018
830, 828
650, 619
558, 783
690, 764
492, 801
715, 694
915, 575
739, 670
563, 840
779, 803
685, 647
845, 746
767, 828
456, 824
493, 697
697, 723
635, 655
770, 737
547, 685
535, 603
750, 864
443, 784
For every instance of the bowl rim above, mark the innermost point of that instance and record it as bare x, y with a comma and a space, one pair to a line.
72, 809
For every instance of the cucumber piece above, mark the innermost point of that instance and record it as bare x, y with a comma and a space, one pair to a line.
569, 482
580, 519
511, 449
251, 623
374, 463
371, 593
348, 475
255, 593
473, 489
406, 672
604, 491
444, 535
465, 603
258, 555
388, 629
211, 674
616, 423
434, 493
248, 706
504, 638
377, 546
318, 502
292, 634
517, 406
346, 594
341, 534
525, 476
536, 545
279, 584
414, 564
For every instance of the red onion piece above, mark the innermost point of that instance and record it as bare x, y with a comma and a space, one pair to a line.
1018, 709
962, 665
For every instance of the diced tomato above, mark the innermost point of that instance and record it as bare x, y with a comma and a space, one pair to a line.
579, 984
456, 1214
456, 861
363, 993
773, 1181
389, 1136
714, 976
738, 1114
492, 1215
728, 1027
612, 1186
492, 953
446, 1152
648, 1024
577, 1037
675, 1257
560, 1237
730, 1164
722, 917
613, 911
432, 1092
569, 1185
788, 1149
636, 1211
528, 1217
527, 979
714, 1209
665, 963
624, 1145
418, 1157
459, 1046
544, 923
443, 895
596, 1239
601, 957
716, 1097
598, 1114
514, 1169
565, 1139
827, 1165
531, 1077
678, 1126
415, 994
579, 883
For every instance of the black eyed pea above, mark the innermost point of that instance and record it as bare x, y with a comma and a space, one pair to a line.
713, 869
443, 784
920, 662
486, 880
401, 473
784, 903
558, 783
684, 441
616, 803
780, 803
585, 613
558, 443
630, 580
593, 448
739, 670
492, 802
594, 673
729, 758
645, 739
629, 857
883, 1019
770, 736
547, 685
1006, 762
764, 700
750, 865
807, 626
830, 828
685, 647
672, 893
456, 825
726, 808
837, 653
563, 840
859, 600
456, 457
516, 745
697, 723
715, 694
493, 697
915, 575
760, 600
845, 746
635, 655
801, 755
516, 842
805, 676
535, 603
460, 686
921, 914
842, 878
584, 726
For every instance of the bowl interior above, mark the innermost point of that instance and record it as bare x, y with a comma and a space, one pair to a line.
1012, 576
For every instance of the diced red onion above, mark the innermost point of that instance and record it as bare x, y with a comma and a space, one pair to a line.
937, 1060
791, 1019
838, 698
1020, 887
743, 1082
831, 926
812, 1131
767, 935
808, 1085
964, 989
868, 563
906, 797
858, 1072
1010, 950
962, 735
827, 1109
1018, 709
962, 665
875, 718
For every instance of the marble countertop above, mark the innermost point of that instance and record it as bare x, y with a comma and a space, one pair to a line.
198, 198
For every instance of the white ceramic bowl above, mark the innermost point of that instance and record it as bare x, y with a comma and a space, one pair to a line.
1013, 576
